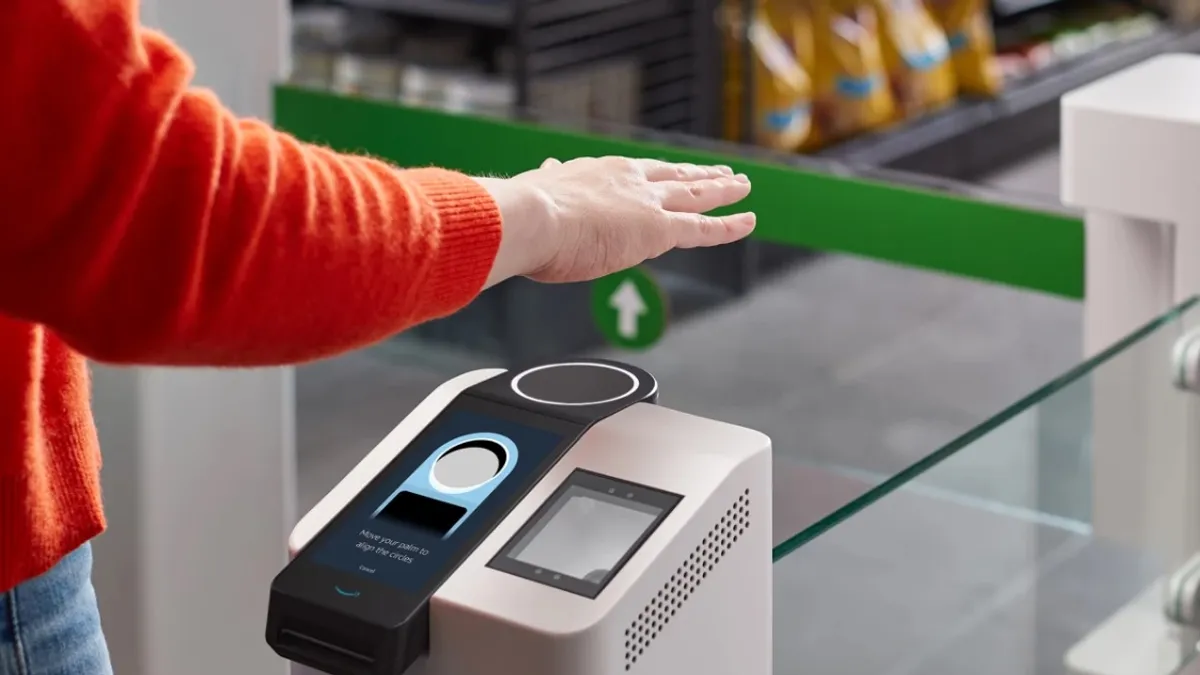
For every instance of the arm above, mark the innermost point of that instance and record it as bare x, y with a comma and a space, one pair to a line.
144, 223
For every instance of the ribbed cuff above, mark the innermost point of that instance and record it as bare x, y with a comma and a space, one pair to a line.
469, 237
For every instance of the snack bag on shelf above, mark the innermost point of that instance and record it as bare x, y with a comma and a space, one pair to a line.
917, 56
792, 20
801, 22
968, 27
782, 96
850, 82
803, 38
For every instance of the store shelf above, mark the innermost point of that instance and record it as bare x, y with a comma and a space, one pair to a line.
973, 138
1010, 7
488, 13
492, 13
643, 63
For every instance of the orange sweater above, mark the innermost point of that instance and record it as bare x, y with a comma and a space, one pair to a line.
143, 223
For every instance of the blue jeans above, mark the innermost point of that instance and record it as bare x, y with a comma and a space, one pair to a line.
50, 625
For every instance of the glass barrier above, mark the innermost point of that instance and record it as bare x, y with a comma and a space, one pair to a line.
986, 556
828, 354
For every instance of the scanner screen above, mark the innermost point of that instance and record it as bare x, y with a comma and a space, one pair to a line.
412, 520
586, 534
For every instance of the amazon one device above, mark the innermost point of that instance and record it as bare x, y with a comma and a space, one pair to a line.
551, 521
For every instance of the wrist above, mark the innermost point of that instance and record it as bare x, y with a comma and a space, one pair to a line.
526, 225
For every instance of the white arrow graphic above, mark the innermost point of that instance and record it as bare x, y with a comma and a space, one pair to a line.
630, 307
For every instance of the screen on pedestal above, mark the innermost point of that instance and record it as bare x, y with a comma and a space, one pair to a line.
466, 469
580, 538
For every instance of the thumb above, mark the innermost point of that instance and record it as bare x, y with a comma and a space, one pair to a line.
550, 161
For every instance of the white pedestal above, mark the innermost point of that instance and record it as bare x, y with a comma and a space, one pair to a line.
199, 485
1131, 160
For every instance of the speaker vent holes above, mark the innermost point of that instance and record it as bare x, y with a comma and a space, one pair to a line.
669, 600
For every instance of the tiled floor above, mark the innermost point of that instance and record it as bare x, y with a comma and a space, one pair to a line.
856, 369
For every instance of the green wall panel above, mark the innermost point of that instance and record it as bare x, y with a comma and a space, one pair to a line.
992, 242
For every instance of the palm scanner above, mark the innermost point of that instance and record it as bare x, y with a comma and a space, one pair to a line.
547, 521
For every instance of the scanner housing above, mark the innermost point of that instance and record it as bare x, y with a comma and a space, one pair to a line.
694, 594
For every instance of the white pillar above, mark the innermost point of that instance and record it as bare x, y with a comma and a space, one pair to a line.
241, 47
199, 475
1128, 277
1131, 161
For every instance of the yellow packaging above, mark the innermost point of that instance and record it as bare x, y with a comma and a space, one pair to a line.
802, 38
782, 103
968, 29
800, 22
917, 56
849, 78
793, 21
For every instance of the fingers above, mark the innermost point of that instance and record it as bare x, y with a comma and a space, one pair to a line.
702, 196
693, 230
550, 161
656, 170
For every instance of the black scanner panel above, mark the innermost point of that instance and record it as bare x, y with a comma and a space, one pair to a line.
355, 601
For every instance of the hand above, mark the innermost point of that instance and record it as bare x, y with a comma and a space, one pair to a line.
590, 217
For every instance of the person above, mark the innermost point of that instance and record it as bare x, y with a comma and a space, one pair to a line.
146, 224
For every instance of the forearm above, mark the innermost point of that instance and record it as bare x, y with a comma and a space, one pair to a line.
150, 225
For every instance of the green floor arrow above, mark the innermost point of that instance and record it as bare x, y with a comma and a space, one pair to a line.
629, 309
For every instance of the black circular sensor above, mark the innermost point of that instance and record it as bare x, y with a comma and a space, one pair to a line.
575, 384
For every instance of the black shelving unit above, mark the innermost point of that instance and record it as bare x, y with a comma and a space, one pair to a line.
666, 46
486, 13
